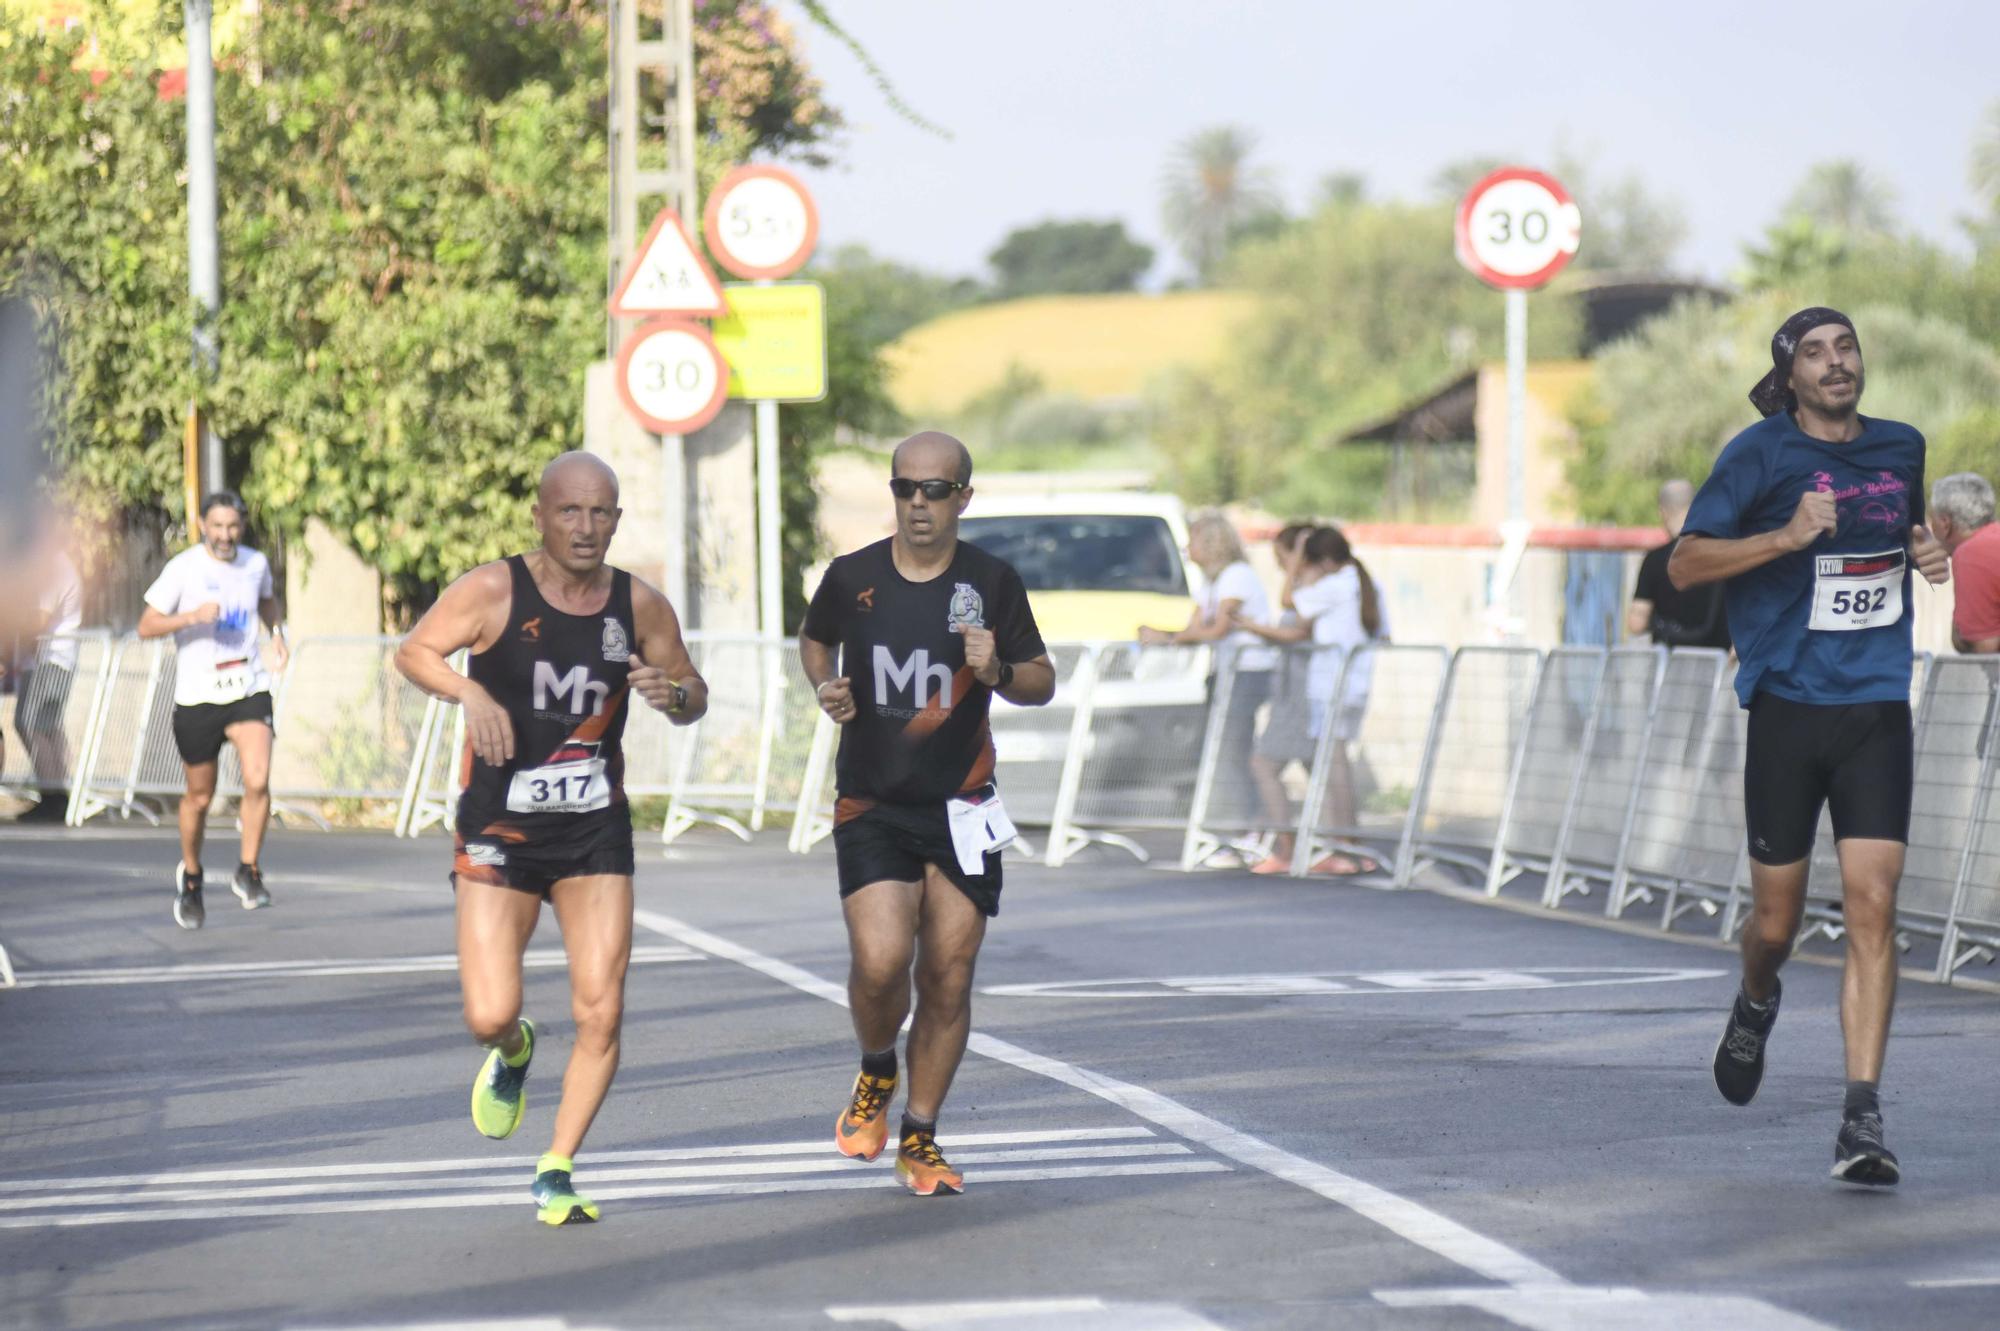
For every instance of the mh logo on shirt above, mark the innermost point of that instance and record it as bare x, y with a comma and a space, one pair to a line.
914, 675
577, 691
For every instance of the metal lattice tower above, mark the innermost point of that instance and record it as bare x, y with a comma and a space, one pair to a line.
652, 129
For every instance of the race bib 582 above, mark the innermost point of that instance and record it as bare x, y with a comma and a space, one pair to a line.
1857, 591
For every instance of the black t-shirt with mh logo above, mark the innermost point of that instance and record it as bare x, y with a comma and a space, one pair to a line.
920, 733
561, 678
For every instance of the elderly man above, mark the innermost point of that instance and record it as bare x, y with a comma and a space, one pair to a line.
1962, 517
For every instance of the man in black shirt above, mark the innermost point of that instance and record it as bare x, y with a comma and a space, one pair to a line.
926, 630
1675, 618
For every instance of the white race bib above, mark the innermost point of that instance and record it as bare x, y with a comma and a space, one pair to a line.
977, 827
1857, 591
574, 787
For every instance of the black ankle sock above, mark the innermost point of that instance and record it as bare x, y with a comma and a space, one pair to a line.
911, 1125
1861, 1099
880, 1065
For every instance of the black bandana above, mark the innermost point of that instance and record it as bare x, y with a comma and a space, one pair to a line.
1773, 392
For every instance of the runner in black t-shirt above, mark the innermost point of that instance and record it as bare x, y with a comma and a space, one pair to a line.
561, 643
926, 629
1675, 618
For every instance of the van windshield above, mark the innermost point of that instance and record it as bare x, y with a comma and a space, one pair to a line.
1090, 552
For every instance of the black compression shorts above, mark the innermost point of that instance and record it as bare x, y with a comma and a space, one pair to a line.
1855, 759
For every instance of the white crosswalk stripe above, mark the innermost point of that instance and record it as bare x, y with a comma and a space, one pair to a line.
749, 1169
190, 972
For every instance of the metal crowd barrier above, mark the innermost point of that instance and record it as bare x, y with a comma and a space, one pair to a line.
50, 719
1620, 768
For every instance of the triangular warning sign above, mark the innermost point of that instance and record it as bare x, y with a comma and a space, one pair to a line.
668, 276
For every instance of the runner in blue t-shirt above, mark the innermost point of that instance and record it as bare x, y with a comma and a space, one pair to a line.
1813, 519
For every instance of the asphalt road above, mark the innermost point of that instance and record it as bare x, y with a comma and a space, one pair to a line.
1194, 1101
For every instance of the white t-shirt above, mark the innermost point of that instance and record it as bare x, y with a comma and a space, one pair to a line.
1239, 582
217, 662
1333, 606
64, 598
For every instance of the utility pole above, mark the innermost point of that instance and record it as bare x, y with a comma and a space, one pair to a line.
204, 247
651, 154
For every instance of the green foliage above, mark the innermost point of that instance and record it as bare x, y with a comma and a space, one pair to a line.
1362, 309
1213, 194
412, 218
1846, 198
1668, 398
1076, 256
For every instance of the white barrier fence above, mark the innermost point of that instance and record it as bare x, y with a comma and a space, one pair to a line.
1616, 771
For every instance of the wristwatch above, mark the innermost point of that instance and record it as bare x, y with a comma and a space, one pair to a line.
680, 697
1006, 675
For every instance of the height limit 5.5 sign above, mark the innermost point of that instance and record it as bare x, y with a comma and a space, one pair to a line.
1517, 228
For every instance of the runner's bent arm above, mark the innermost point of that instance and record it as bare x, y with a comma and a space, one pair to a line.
472, 613
155, 623
1698, 559
662, 671
267, 610
835, 695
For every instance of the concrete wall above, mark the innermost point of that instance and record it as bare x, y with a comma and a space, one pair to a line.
328, 589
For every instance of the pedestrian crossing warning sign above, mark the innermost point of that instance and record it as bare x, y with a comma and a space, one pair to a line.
667, 276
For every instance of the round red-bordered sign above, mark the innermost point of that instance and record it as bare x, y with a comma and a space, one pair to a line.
760, 223
1517, 228
671, 377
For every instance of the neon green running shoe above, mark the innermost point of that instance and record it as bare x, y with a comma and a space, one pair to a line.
556, 1202
498, 1101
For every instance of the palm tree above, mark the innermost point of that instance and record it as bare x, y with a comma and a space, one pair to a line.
1211, 193
1845, 197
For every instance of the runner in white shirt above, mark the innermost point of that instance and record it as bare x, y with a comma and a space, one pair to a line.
212, 598
44, 689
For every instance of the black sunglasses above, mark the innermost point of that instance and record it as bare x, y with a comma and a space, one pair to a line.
904, 488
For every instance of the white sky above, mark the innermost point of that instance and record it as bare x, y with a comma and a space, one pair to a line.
1069, 108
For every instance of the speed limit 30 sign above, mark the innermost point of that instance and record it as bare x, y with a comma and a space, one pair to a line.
671, 376
1517, 228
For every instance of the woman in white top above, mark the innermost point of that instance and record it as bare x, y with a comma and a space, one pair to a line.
1337, 608
1231, 591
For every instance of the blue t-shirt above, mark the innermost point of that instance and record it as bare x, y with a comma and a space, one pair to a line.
1878, 486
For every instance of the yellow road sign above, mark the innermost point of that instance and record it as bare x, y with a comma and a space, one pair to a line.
774, 338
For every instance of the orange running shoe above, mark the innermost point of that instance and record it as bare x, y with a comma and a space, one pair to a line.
863, 1127
923, 1168
1271, 864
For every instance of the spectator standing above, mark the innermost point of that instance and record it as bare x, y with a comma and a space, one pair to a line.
1672, 617
1231, 591
1962, 520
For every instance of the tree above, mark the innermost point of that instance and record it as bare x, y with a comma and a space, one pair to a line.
1846, 198
1986, 159
1668, 398
413, 248
1068, 256
1212, 193
889, 298
1361, 310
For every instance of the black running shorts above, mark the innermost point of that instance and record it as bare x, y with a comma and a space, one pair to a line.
1855, 759
874, 843
535, 868
199, 730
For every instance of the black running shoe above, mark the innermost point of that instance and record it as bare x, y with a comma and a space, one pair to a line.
189, 913
1739, 1055
1859, 1155
248, 885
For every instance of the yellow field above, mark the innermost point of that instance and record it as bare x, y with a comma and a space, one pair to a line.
1095, 347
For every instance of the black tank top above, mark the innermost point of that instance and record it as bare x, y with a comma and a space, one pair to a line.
561, 678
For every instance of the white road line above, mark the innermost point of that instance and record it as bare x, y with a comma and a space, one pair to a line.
518, 1195
188, 972
1539, 1299
817, 1146
1028, 1315
1407, 1219
1578, 1308
826, 1163
1956, 1282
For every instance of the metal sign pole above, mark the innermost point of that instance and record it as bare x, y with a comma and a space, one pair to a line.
1517, 404
770, 586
